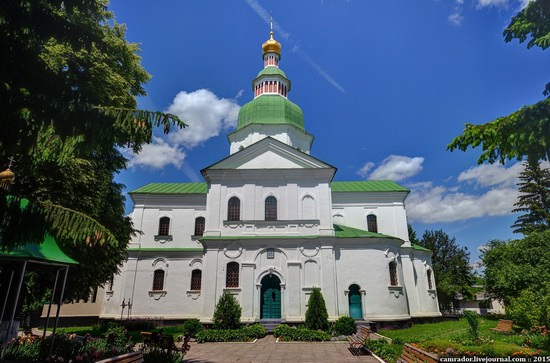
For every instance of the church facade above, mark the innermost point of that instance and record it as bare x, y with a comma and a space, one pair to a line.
268, 224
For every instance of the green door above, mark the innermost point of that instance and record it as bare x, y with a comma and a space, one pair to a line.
270, 305
355, 309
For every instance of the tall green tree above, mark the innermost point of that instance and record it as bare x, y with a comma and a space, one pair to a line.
525, 132
68, 87
316, 313
534, 200
451, 266
227, 314
518, 273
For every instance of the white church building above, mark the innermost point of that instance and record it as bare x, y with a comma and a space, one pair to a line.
268, 224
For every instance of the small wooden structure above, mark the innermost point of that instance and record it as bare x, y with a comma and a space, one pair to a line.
411, 354
357, 340
504, 326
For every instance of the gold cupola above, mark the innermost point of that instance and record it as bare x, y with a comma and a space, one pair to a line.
271, 45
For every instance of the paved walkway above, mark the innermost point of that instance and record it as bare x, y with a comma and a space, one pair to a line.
267, 350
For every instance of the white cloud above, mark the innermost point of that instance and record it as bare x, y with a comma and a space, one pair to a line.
156, 155
394, 167
364, 171
432, 204
205, 113
496, 197
456, 18
492, 174
487, 3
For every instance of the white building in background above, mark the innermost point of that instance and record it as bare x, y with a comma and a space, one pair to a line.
268, 225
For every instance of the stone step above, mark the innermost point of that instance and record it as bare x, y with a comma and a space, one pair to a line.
270, 324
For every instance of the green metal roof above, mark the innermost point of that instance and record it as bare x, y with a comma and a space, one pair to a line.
270, 71
271, 110
419, 248
47, 251
165, 249
349, 232
201, 187
367, 186
173, 188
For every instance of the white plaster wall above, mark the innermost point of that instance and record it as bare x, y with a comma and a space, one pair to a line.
367, 266
352, 209
286, 134
428, 303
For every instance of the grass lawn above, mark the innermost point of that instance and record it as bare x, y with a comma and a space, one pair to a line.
452, 338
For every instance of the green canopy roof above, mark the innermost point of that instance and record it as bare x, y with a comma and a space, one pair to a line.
48, 251
269, 71
271, 110
350, 232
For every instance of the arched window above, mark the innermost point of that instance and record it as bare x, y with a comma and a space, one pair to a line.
158, 280
232, 275
196, 279
234, 209
393, 273
164, 226
199, 226
430, 282
372, 225
271, 208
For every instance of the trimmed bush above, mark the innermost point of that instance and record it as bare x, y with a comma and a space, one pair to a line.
316, 313
301, 334
256, 331
245, 334
473, 322
191, 327
345, 325
228, 313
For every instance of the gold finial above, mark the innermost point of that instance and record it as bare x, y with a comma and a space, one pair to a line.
271, 45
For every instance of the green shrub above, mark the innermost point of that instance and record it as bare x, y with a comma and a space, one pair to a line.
473, 323
245, 334
225, 335
228, 312
381, 348
256, 331
191, 327
316, 313
301, 334
159, 355
116, 335
529, 309
345, 325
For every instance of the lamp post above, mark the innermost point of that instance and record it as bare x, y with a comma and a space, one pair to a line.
129, 308
123, 305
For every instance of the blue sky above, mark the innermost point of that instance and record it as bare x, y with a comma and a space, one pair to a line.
384, 87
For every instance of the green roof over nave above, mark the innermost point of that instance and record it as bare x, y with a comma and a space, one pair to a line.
337, 187
271, 110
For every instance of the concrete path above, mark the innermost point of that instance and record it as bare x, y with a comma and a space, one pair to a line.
267, 350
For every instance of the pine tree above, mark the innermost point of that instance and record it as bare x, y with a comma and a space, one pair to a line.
316, 314
534, 200
227, 314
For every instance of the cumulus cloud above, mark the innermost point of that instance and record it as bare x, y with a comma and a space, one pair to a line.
156, 155
394, 167
492, 174
205, 113
496, 195
431, 204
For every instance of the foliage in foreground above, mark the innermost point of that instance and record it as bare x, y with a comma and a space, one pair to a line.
286, 333
316, 313
345, 325
159, 355
66, 348
245, 334
381, 348
192, 327
452, 338
227, 314
518, 272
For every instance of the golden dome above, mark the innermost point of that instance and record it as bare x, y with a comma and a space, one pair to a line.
7, 176
271, 45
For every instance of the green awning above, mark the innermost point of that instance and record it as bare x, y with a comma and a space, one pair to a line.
48, 251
